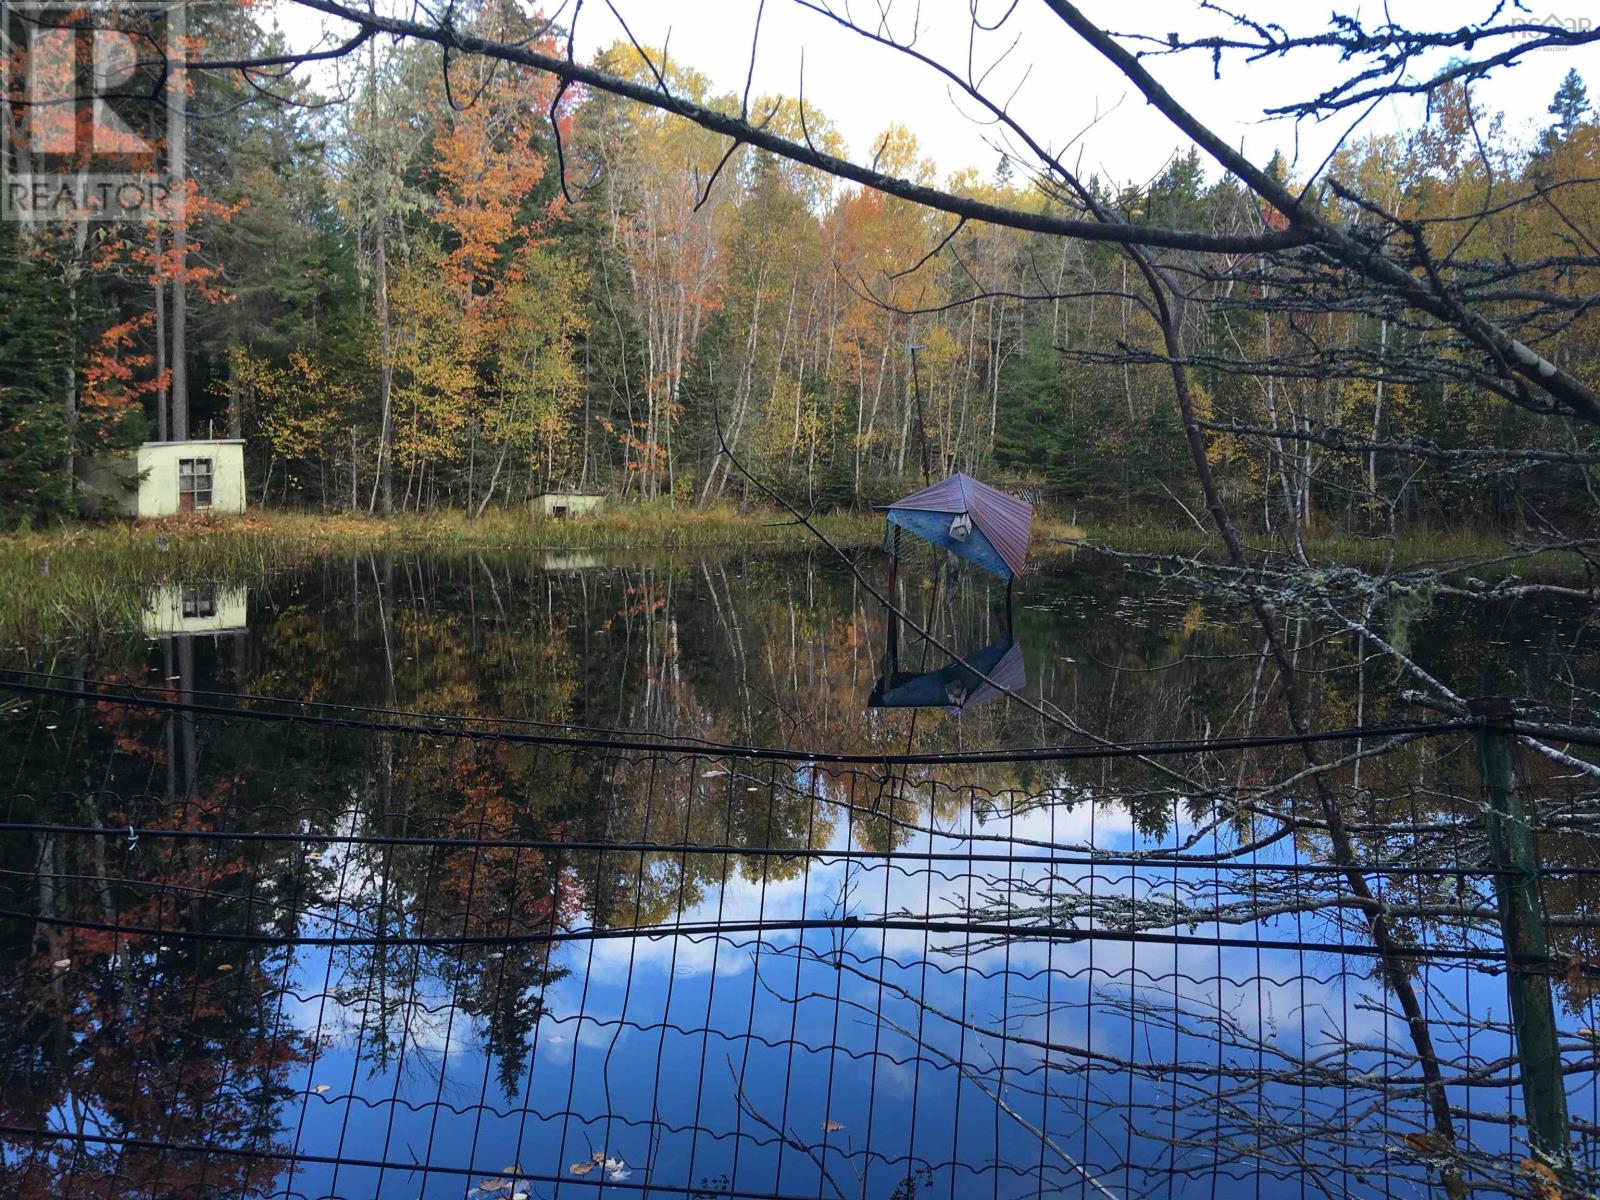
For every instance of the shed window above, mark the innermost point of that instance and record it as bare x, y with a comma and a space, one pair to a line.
199, 602
194, 483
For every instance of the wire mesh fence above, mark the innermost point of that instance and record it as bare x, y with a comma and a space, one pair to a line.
256, 949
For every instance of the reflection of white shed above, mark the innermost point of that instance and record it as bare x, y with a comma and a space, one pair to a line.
567, 504
569, 560
194, 608
193, 476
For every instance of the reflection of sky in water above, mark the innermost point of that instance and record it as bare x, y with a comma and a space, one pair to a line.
622, 1063
811, 1030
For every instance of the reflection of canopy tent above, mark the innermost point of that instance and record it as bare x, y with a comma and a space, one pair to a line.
958, 686
977, 522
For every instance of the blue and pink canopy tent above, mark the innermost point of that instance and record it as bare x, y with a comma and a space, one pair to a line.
988, 528
972, 520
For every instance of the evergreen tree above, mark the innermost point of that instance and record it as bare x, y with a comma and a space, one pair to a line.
34, 349
1570, 105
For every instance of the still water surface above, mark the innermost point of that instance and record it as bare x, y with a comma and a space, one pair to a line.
594, 971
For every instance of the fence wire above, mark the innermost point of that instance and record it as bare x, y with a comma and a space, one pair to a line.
281, 951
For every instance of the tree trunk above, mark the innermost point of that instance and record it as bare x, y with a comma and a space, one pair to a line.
163, 390
383, 485
383, 477
235, 396
1377, 408
80, 236
178, 145
494, 477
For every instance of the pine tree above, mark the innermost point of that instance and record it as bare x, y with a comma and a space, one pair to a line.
1570, 105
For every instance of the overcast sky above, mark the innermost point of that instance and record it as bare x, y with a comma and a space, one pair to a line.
1061, 86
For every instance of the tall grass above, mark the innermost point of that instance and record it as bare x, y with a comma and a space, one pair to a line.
92, 580
85, 580
1483, 549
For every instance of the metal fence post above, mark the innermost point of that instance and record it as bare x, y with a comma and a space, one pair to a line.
1516, 885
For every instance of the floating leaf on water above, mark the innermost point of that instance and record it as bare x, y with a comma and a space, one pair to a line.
598, 1157
224, 967
581, 1168
831, 1127
61, 964
320, 1088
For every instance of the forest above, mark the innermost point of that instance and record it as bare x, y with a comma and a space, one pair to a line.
411, 289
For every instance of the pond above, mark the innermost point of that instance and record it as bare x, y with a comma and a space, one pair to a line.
420, 876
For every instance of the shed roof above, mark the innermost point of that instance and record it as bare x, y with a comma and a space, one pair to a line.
176, 444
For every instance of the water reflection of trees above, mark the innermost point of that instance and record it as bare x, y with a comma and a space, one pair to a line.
475, 851
174, 1042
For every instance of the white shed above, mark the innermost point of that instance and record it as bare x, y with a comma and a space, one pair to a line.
567, 504
194, 476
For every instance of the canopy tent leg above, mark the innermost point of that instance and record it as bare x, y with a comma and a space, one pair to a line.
894, 600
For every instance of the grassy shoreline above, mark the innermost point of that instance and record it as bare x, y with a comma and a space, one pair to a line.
91, 578
1413, 549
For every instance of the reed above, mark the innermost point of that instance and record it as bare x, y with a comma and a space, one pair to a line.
90, 581
1484, 551
87, 580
